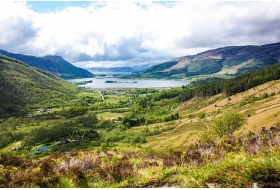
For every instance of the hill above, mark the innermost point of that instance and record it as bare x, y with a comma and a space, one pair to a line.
24, 87
226, 61
53, 64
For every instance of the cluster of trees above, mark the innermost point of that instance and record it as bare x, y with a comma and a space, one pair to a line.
120, 134
231, 86
252, 99
8, 137
166, 94
73, 111
137, 121
47, 134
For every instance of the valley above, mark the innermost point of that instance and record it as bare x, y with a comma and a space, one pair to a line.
57, 134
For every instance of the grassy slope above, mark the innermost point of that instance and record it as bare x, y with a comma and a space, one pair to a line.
24, 87
263, 113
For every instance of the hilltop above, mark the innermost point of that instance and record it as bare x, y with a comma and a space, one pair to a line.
53, 64
24, 87
225, 61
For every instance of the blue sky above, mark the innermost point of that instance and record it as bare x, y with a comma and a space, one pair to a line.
55, 6
125, 33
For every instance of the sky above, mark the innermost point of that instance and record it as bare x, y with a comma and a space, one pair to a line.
127, 33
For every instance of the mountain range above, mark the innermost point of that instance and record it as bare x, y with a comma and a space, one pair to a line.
132, 69
53, 64
225, 61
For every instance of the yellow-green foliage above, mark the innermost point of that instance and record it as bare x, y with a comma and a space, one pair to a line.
227, 122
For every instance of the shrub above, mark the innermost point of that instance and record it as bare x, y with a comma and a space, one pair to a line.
103, 147
227, 123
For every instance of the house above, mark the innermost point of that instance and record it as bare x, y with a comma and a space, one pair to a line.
41, 110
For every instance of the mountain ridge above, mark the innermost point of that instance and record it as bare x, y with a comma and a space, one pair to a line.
130, 69
53, 64
229, 60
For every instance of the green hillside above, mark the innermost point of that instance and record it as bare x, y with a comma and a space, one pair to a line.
24, 87
66, 69
53, 64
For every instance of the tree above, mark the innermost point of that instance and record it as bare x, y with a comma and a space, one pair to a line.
227, 123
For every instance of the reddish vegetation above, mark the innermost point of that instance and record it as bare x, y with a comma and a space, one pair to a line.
84, 166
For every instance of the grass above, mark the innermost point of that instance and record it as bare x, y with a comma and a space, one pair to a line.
110, 115
234, 171
182, 135
11, 147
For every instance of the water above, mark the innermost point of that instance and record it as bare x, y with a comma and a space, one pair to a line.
40, 149
129, 83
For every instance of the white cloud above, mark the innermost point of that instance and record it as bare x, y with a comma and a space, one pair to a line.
120, 32
16, 24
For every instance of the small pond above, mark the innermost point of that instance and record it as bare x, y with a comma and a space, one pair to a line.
40, 149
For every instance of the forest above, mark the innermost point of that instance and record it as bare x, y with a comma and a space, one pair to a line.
230, 86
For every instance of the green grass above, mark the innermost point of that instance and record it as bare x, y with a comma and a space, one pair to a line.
110, 115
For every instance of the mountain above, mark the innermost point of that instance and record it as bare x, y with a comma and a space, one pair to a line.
53, 64
111, 69
131, 69
227, 61
23, 87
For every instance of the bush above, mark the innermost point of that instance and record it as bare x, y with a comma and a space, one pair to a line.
227, 123
103, 147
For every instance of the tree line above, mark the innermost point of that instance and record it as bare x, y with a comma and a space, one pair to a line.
230, 86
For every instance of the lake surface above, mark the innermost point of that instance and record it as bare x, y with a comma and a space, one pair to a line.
129, 83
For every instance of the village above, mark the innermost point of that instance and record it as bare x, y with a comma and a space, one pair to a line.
39, 112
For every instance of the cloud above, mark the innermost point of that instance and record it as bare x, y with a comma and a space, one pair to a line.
17, 27
122, 33
120, 63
